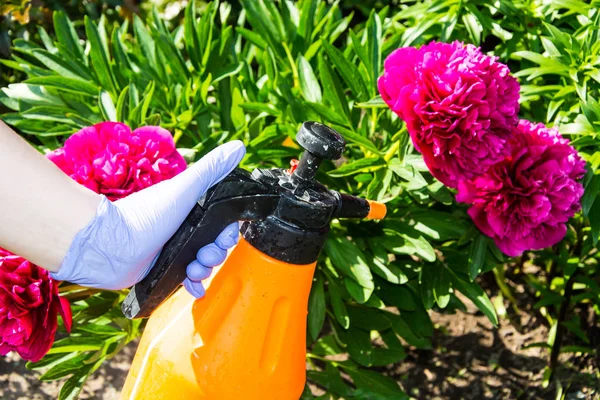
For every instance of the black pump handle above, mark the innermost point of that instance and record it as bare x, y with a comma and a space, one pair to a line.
237, 198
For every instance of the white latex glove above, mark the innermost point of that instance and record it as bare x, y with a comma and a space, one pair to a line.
120, 245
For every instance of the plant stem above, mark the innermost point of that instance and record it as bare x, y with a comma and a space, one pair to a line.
562, 314
391, 152
504, 288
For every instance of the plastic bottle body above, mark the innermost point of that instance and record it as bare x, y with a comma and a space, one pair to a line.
245, 339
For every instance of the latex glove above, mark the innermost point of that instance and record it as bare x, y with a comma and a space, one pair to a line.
120, 245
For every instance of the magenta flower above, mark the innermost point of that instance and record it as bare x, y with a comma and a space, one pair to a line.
459, 106
110, 159
524, 201
29, 308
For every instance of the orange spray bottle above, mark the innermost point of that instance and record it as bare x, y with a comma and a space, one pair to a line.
246, 338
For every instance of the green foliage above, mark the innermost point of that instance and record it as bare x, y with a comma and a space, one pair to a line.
220, 75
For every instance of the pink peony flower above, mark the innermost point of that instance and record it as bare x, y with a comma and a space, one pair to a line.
524, 201
29, 306
459, 106
111, 160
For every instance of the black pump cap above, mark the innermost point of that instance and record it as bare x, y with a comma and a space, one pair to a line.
321, 143
321, 140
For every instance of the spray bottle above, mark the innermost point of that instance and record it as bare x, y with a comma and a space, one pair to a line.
246, 339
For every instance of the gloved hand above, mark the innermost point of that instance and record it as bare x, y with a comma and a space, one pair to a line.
120, 245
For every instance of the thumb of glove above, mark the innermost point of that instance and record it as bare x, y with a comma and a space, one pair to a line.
159, 210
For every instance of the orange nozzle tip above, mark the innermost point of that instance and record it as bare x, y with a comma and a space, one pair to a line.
377, 211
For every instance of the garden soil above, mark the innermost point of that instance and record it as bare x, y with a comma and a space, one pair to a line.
470, 360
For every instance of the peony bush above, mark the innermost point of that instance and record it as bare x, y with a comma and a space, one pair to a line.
476, 126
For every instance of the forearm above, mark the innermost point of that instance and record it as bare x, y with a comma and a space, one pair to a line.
41, 208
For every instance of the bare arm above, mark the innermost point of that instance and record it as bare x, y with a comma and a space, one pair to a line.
41, 208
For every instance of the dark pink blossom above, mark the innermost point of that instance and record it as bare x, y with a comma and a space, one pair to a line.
459, 106
110, 159
29, 307
524, 201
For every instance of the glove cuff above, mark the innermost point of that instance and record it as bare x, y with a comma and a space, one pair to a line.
86, 260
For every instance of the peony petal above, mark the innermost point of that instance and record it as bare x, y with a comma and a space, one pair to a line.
65, 312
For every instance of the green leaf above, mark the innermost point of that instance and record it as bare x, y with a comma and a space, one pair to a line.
406, 240
409, 173
551, 66
258, 17
175, 63
228, 71
337, 304
441, 286
64, 368
397, 296
100, 330
73, 386
30, 94
403, 328
426, 282
589, 196
72, 85
66, 35
99, 57
354, 167
308, 81
439, 225
192, 44
352, 137
107, 107
122, 102
72, 343
374, 42
327, 113
316, 308
144, 40
327, 346
394, 351
139, 112
349, 259
47, 113
378, 188
474, 27
330, 379
476, 295
49, 361
368, 319
48, 44
375, 102
594, 216
60, 66
348, 71
253, 37
359, 293
358, 344
333, 93
477, 252
360, 50
238, 117
382, 266
307, 19
376, 382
